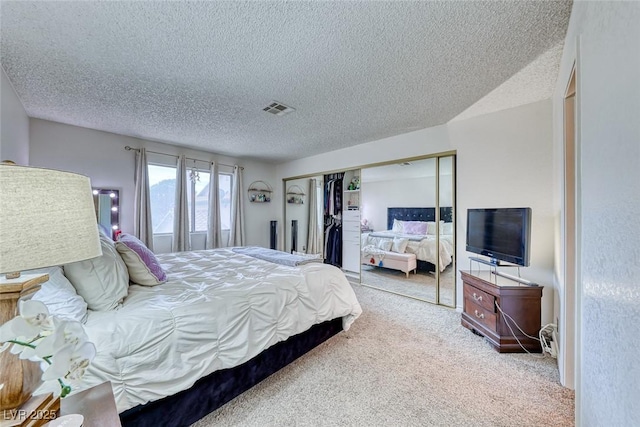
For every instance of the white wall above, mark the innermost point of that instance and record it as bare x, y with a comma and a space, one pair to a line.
14, 125
102, 157
604, 39
377, 196
504, 159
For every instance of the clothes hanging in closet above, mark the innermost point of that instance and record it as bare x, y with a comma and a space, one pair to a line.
332, 215
333, 244
333, 196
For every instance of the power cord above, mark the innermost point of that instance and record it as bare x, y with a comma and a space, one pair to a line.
544, 340
507, 317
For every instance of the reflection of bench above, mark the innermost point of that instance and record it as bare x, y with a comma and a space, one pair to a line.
393, 260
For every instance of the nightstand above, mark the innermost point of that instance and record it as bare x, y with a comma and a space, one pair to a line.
96, 404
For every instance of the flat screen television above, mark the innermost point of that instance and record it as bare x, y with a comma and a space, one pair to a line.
502, 234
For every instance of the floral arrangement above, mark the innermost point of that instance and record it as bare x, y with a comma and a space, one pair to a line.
62, 346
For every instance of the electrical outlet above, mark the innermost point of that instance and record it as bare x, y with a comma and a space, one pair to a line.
554, 343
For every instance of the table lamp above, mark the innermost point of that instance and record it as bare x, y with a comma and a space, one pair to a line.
47, 218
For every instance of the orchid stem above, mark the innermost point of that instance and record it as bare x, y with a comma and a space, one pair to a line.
24, 344
65, 388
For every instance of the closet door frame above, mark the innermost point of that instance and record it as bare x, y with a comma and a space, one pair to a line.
453, 220
437, 156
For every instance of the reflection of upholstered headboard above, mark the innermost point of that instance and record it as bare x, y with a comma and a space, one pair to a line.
417, 214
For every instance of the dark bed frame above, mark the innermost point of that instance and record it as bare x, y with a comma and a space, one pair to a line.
211, 392
419, 214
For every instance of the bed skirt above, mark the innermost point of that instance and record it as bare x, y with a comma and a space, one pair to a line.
211, 392
426, 266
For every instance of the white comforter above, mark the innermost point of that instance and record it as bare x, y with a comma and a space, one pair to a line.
218, 310
424, 248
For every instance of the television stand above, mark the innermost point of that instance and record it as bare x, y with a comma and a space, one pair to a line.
481, 315
492, 262
493, 268
515, 278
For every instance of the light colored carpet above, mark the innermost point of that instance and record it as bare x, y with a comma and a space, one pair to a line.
421, 285
405, 363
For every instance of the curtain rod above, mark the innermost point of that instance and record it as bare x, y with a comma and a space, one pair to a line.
173, 155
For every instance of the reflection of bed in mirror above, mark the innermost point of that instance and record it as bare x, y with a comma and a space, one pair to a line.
418, 227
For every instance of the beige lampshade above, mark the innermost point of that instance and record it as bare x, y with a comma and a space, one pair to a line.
47, 218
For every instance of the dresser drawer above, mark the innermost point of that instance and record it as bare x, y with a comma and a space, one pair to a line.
480, 314
351, 256
351, 236
353, 226
481, 298
351, 216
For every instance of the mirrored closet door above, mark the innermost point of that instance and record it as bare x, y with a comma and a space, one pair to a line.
322, 219
408, 223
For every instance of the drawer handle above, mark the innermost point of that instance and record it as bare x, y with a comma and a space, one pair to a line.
479, 315
477, 297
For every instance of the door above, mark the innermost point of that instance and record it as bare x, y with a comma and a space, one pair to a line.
410, 204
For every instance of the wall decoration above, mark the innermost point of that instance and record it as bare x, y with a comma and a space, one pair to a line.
260, 192
295, 195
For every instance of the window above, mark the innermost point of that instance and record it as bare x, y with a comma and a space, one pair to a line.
198, 205
162, 189
224, 190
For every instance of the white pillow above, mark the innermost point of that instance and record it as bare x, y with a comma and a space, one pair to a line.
384, 244
399, 245
103, 281
398, 227
447, 228
431, 227
142, 265
59, 295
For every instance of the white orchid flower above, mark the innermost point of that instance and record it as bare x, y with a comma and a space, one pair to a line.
62, 346
80, 361
70, 362
34, 321
36, 313
60, 363
66, 332
16, 328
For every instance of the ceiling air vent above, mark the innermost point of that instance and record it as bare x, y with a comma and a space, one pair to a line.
278, 109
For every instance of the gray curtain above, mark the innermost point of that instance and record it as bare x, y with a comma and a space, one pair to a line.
181, 210
214, 229
314, 235
142, 226
236, 234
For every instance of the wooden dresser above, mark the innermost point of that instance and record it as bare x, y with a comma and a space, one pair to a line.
522, 303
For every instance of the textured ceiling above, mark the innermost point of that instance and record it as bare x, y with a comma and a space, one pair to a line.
199, 73
534, 82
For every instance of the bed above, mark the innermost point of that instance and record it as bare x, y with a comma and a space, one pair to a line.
422, 244
221, 323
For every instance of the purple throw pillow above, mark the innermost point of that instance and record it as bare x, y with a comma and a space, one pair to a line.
144, 268
414, 227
